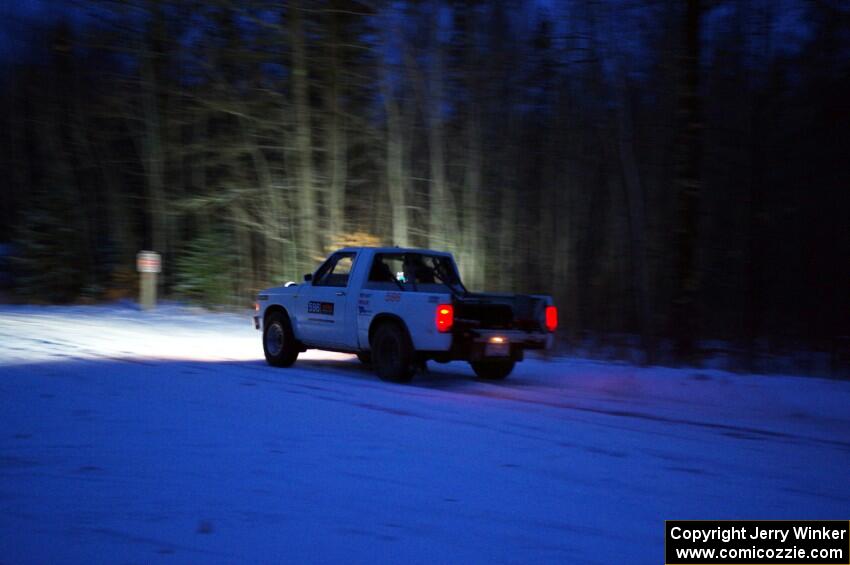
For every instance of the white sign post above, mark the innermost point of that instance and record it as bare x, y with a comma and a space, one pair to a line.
148, 263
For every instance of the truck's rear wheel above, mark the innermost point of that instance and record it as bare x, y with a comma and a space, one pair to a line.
392, 353
279, 343
493, 370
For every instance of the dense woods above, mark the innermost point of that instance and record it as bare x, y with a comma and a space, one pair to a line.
674, 170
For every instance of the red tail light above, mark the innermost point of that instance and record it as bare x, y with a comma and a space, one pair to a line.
445, 317
551, 318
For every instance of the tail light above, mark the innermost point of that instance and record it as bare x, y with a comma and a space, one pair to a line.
445, 317
551, 318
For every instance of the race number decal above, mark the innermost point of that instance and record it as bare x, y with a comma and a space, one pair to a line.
326, 308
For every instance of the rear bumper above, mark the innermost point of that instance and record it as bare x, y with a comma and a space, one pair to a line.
472, 345
528, 340
476, 347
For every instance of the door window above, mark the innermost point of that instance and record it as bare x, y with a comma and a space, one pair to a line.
335, 271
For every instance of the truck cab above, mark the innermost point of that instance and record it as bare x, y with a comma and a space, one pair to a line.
397, 308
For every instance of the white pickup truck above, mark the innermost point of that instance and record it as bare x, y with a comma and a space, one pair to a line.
398, 308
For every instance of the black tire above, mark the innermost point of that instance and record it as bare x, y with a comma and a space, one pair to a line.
365, 357
392, 353
279, 344
493, 370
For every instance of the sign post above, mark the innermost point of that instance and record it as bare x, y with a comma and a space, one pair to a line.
148, 263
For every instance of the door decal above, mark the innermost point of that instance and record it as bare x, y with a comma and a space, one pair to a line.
326, 308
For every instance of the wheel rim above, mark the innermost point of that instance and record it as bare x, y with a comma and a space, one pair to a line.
274, 339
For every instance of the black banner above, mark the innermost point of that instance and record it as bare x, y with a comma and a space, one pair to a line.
757, 542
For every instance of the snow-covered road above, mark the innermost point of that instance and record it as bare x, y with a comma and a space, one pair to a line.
143, 438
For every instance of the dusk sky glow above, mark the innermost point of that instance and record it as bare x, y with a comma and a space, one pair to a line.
20, 20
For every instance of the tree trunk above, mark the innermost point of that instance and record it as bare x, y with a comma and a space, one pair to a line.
336, 139
688, 188
442, 227
271, 211
152, 150
311, 249
395, 171
472, 253
636, 220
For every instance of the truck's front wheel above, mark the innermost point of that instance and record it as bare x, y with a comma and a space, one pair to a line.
279, 343
392, 353
493, 370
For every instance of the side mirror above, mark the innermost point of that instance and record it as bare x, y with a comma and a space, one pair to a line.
308, 277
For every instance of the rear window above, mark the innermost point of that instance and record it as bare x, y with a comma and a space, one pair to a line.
412, 272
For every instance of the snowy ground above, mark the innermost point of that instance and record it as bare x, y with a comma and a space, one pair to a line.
143, 438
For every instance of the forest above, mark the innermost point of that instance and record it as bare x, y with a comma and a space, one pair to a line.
671, 170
